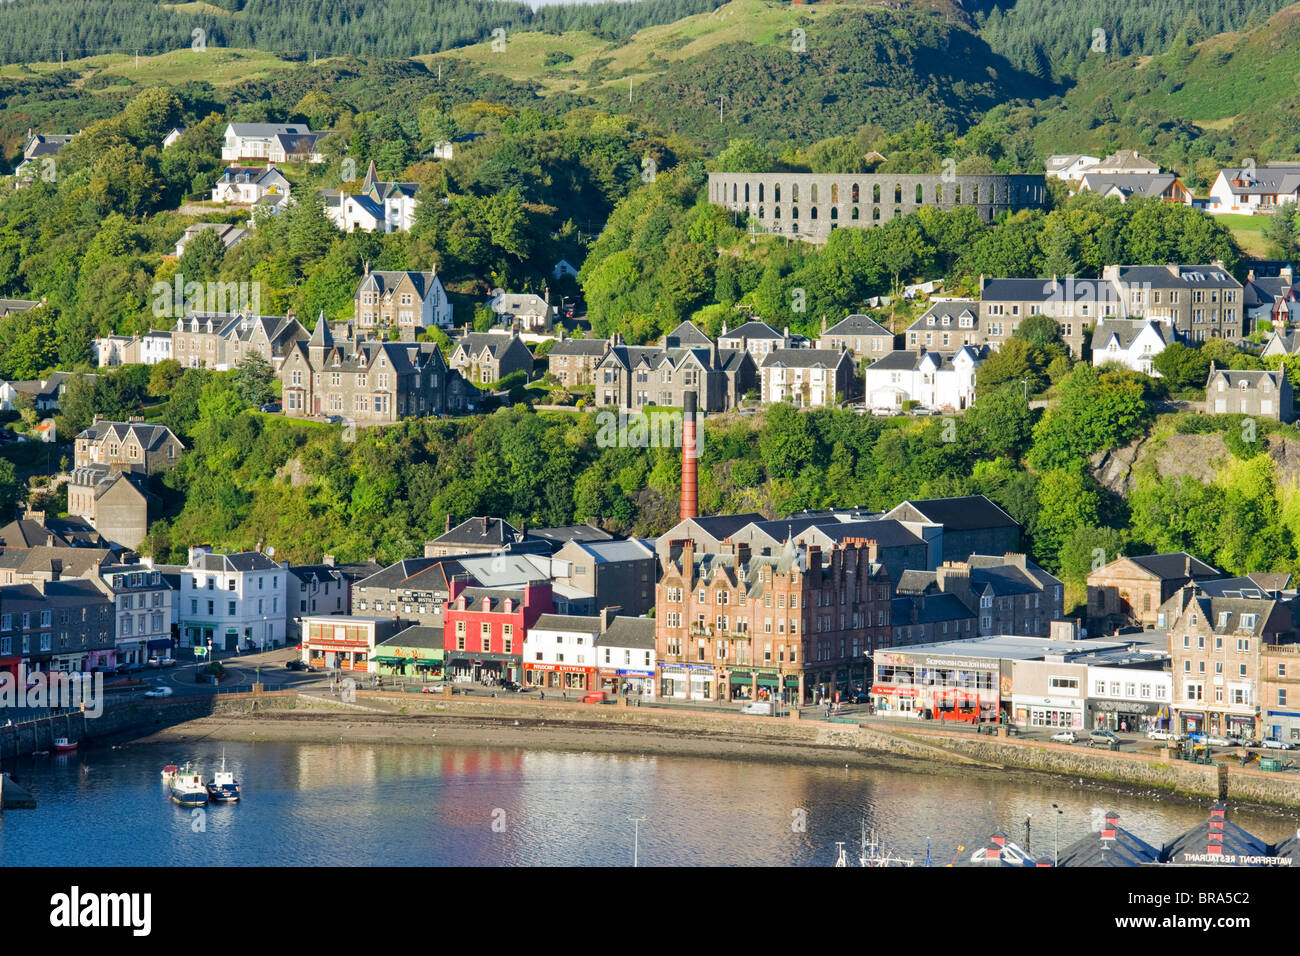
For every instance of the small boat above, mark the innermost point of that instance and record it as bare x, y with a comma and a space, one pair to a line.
187, 788
223, 788
63, 745
169, 772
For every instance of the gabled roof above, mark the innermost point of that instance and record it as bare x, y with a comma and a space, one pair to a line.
753, 329
1123, 332
1238, 847
567, 622
480, 531
495, 344
519, 303
241, 561
423, 574
1174, 566
1110, 846
384, 282
804, 358
417, 635
1251, 378
954, 309
1208, 276
687, 334
1129, 184
637, 633
266, 129
587, 347
1269, 179
858, 324
964, 513
1023, 290
149, 436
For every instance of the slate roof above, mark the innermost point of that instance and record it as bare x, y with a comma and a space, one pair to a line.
149, 436
496, 343
384, 282
1124, 331
1172, 566
1130, 184
905, 361
964, 513
567, 622
588, 347
931, 608
1253, 378
724, 526
496, 598
417, 635
519, 303
1023, 290
753, 330
242, 561
1110, 846
631, 549
637, 633
1190, 848
1271, 178
581, 533
480, 531
858, 324
414, 573
266, 130
804, 358
686, 334
1160, 277
252, 175
1128, 159
953, 308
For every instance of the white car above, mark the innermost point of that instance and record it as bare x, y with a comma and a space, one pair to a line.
159, 692
1214, 740
1065, 736
1272, 743
1162, 735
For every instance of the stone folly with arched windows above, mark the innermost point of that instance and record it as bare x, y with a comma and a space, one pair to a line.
771, 200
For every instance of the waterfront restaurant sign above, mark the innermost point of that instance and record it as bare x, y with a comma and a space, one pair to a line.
1231, 859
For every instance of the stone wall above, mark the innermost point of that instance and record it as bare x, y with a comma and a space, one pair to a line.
810, 205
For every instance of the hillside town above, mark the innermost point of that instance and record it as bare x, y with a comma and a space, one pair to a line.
537, 428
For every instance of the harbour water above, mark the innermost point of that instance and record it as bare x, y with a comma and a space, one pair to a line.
339, 804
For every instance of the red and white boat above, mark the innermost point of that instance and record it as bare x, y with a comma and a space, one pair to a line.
63, 745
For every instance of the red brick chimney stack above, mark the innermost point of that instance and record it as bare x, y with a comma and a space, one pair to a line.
690, 492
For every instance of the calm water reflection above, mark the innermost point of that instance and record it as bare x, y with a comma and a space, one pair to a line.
319, 804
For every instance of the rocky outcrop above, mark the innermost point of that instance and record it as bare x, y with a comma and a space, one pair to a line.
1196, 456
1285, 453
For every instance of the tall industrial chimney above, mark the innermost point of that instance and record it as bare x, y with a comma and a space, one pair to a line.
690, 506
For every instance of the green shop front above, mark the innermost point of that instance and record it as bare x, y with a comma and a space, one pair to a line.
758, 684
416, 652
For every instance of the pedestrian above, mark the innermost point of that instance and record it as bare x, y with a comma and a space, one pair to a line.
543, 695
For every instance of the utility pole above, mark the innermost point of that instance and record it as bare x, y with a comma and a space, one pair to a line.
721, 99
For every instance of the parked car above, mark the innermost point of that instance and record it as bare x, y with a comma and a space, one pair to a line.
1103, 738
1065, 736
1217, 740
159, 692
297, 664
270, 407
595, 697
1162, 735
1272, 743
760, 707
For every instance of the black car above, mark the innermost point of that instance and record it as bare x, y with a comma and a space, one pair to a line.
297, 664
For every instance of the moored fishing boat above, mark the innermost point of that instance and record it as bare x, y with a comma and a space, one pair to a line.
63, 745
223, 788
187, 788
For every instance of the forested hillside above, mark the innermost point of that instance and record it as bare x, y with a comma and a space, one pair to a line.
1054, 38
41, 29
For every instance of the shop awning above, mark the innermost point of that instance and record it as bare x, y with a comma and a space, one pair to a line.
160, 644
769, 680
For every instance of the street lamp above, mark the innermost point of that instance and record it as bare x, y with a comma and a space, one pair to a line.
636, 838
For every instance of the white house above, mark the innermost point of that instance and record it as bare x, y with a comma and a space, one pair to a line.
625, 654
272, 141
143, 603
148, 349
559, 653
1132, 343
1254, 190
564, 268
232, 600
931, 379
379, 206
1069, 167
522, 310
173, 134
249, 184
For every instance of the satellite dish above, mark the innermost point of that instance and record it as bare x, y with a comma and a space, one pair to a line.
270, 552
